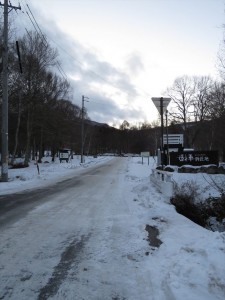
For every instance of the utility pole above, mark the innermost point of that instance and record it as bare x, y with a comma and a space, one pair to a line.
82, 128
4, 151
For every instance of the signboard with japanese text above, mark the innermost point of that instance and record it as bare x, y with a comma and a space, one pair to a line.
194, 158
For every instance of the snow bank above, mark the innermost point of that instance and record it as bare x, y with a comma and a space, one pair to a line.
189, 264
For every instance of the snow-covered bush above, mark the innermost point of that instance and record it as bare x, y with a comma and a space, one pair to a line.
214, 211
189, 190
184, 200
209, 213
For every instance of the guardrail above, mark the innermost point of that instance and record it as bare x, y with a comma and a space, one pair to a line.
163, 181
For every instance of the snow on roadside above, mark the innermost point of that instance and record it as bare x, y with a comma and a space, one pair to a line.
204, 181
189, 264
50, 172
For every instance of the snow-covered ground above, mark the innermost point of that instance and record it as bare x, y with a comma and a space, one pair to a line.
190, 262
29, 178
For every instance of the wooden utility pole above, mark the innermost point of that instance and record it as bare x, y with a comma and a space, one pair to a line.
4, 151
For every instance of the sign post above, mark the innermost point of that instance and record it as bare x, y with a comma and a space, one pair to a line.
145, 154
161, 104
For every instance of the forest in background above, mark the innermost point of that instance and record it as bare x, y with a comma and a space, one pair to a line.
42, 116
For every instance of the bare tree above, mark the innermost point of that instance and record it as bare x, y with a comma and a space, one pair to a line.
182, 95
216, 100
221, 60
203, 86
125, 125
37, 56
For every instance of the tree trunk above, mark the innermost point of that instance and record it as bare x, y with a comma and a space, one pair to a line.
17, 131
28, 144
41, 147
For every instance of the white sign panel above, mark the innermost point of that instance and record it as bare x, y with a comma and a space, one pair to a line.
173, 139
165, 102
145, 154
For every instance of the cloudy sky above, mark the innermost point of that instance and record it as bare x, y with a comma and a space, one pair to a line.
120, 53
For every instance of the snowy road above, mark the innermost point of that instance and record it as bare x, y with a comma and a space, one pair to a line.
80, 241
90, 237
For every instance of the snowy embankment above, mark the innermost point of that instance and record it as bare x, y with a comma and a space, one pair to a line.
187, 264
206, 183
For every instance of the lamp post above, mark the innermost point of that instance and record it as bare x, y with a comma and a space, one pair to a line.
82, 129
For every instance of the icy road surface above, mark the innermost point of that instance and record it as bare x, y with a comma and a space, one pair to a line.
87, 238
84, 242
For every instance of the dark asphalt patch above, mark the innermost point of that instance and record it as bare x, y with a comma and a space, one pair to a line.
153, 234
61, 270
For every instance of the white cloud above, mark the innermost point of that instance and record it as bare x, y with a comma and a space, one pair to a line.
128, 51
134, 63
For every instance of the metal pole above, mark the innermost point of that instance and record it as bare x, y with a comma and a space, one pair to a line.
82, 131
162, 148
4, 156
167, 139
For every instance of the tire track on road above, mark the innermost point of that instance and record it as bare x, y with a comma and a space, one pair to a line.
60, 272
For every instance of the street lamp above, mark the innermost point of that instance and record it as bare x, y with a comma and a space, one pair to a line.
82, 128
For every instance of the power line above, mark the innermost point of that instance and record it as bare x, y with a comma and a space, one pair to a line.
39, 31
92, 72
32, 23
42, 37
59, 67
37, 24
76, 60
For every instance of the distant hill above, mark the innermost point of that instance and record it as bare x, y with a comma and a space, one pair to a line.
94, 123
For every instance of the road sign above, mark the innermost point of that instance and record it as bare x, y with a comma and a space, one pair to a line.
161, 101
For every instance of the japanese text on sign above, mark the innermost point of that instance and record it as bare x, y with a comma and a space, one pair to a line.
194, 158
189, 157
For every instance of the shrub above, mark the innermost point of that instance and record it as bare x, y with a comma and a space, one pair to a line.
189, 189
169, 169
215, 207
201, 213
184, 201
18, 165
